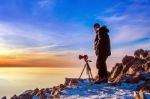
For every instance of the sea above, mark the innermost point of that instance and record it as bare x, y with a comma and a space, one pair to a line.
14, 80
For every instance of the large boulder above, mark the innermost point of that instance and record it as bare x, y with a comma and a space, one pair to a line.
115, 72
26, 95
139, 53
127, 62
4, 97
14, 97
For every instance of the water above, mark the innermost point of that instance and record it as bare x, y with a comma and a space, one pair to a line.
16, 80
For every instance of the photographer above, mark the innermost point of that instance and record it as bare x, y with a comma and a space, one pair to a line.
102, 51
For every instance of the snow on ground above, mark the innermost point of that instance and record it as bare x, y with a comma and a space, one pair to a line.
99, 91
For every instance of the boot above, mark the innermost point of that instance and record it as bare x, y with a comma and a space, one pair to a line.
100, 80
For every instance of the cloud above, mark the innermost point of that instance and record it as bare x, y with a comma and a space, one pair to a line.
130, 24
27, 45
22, 37
112, 18
128, 33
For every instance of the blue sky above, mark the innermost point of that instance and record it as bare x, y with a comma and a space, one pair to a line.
65, 26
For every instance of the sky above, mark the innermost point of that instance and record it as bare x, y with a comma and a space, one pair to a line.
52, 33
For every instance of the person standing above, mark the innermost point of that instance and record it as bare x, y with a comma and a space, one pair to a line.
102, 51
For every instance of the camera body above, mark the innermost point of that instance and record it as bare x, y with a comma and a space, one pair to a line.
85, 57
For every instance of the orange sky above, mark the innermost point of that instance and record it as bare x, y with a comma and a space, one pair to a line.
32, 59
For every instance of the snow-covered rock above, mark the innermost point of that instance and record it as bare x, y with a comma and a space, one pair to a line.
131, 67
86, 90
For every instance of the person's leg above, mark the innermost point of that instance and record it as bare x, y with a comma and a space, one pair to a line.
98, 65
104, 67
101, 66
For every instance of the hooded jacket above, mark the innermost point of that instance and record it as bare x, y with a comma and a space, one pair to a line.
102, 42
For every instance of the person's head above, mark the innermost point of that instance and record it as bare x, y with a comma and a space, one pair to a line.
96, 27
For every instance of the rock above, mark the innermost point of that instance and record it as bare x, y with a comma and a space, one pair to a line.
141, 95
144, 90
26, 95
14, 97
71, 81
146, 87
145, 75
146, 54
136, 95
42, 96
143, 54
56, 91
4, 97
40, 92
134, 69
115, 72
146, 67
131, 66
27, 92
61, 87
148, 59
135, 64
139, 53
127, 60
117, 80
135, 79
131, 71
55, 97
34, 92
48, 96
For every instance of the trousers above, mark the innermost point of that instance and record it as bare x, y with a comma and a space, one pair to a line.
101, 66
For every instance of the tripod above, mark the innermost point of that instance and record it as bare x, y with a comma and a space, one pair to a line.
88, 70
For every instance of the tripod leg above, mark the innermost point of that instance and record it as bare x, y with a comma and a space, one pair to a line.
82, 71
91, 75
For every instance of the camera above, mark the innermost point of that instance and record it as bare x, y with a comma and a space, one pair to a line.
85, 57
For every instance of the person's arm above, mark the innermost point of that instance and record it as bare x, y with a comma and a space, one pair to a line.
95, 41
109, 46
99, 40
97, 48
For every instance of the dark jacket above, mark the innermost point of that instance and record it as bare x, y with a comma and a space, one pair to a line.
102, 42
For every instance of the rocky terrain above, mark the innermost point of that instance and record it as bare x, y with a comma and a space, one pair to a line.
128, 79
133, 69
